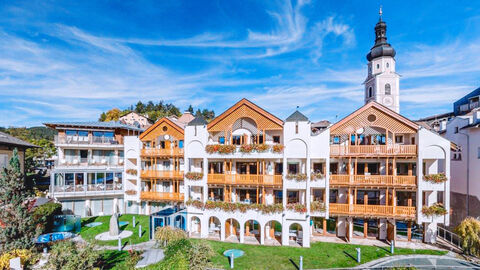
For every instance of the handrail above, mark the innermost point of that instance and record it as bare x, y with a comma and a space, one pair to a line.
161, 152
388, 149
449, 237
370, 209
244, 179
161, 196
161, 174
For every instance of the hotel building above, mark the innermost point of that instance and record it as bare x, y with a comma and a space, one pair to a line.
88, 175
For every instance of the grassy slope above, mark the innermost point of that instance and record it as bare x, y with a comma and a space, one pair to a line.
89, 234
319, 255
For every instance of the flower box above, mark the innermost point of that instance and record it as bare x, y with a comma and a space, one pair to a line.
131, 171
194, 176
131, 192
195, 203
317, 206
297, 207
278, 148
435, 178
298, 177
220, 148
435, 209
317, 176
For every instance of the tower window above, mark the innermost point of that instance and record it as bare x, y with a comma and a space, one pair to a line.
388, 65
370, 92
378, 66
388, 89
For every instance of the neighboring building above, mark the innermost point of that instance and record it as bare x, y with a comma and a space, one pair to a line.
7, 144
88, 175
136, 120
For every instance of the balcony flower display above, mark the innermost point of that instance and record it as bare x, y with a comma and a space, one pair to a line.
243, 207
435, 209
297, 207
220, 148
247, 148
317, 176
278, 148
131, 171
317, 206
194, 176
195, 203
131, 192
262, 148
298, 177
435, 178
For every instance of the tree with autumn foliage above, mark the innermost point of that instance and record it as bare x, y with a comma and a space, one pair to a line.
18, 228
469, 231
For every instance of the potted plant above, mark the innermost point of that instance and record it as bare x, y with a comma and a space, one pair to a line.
299, 177
194, 176
262, 148
131, 171
297, 207
317, 176
435, 178
436, 209
317, 206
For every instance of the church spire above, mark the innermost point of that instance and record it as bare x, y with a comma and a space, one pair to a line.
381, 46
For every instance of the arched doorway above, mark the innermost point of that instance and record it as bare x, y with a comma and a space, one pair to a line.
232, 230
273, 233
214, 228
252, 231
195, 227
180, 222
295, 234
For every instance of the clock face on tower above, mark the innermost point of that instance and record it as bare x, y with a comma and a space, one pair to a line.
387, 101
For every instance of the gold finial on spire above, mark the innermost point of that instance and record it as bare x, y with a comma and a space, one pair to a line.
380, 12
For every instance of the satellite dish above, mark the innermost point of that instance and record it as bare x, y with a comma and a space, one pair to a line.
360, 131
166, 136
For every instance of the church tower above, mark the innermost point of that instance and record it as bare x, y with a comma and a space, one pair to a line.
382, 83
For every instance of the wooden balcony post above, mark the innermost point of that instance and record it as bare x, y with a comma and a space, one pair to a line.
366, 167
410, 169
257, 194
355, 199
365, 228
324, 226
386, 197
263, 194
409, 231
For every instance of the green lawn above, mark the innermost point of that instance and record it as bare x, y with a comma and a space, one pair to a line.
319, 255
89, 234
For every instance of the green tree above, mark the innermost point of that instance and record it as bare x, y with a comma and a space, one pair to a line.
35, 157
469, 230
19, 227
102, 117
140, 108
190, 109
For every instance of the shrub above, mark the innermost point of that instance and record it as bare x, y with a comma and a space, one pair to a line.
298, 177
435, 178
26, 258
176, 246
199, 255
178, 262
469, 231
278, 148
44, 215
317, 206
297, 207
194, 176
167, 234
435, 209
67, 255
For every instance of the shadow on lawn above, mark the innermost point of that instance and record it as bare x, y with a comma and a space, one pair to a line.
112, 258
88, 220
349, 255
294, 264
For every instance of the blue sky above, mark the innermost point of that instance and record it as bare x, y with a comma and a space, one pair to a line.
71, 60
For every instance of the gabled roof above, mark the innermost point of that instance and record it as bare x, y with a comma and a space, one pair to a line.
405, 122
93, 124
158, 123
6, 139
198, 121
276, 122
296, 117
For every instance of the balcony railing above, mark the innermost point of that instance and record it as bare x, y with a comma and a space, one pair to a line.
101, 161
155, 152
373, 180
85, 140
161, 196
87, 188
372, 210
371, 150
161, 174
245, 179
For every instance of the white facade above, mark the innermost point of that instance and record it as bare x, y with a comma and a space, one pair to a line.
383, 83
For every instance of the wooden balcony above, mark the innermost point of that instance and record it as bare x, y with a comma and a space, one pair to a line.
373, 180
157, 152
373, 150
374, 211
245, 179
161, 174
161, 196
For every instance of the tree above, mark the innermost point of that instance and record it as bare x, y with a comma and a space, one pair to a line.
140, 108
19, 228
35, 157
113, 115
469, 230
102, 117
190, 109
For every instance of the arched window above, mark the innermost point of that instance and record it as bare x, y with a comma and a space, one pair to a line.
388, 89
370, 92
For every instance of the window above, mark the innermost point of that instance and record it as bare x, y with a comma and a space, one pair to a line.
336, 139
276, 139
388, 65
370, 92
3, 161
478, 152
388, 89
456, 129
378, 66
293, 168
296, 128
399, 139
221, 140
236, 139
